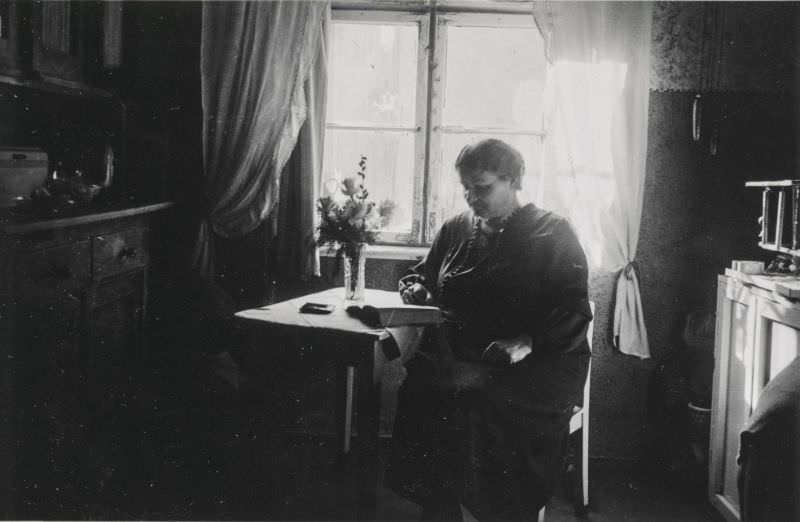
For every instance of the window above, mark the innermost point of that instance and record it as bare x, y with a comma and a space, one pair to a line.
409, 90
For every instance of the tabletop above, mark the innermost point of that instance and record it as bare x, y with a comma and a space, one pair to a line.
287, 314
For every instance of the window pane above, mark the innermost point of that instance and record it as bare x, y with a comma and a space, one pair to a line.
495, 77
451, 196
390, 168
373, 74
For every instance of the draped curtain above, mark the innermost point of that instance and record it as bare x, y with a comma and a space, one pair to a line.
296, 257
593, 160
255, 60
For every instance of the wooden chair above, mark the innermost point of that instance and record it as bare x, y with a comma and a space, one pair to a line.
580, 423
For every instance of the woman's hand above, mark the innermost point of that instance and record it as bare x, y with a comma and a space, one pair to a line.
415, 293
510, 350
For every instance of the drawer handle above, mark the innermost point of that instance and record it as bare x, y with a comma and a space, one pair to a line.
126, 253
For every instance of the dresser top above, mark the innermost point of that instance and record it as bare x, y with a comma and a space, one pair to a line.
11, 223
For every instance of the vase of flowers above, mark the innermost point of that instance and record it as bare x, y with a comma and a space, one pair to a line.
353, 264
349, 222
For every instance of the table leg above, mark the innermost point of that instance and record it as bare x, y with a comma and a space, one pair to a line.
368, 419
345, 382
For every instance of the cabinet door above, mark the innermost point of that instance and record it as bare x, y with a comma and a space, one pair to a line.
733, 385
48, 379
113, 345
10, 53
777, 341
50, 421
60, 30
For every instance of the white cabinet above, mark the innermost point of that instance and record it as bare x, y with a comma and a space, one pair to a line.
757, 335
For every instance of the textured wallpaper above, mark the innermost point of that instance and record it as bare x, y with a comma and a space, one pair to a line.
677, 46
724, 46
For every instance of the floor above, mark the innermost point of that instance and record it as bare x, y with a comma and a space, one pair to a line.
620, 492
194, 439
227, 459
187, 449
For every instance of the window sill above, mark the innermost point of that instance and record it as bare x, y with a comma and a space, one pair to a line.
399, 252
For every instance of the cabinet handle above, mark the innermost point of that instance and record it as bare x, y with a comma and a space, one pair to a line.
127, 253
697, 118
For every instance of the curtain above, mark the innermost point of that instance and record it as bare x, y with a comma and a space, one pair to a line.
296, 256
593, 159
255, 60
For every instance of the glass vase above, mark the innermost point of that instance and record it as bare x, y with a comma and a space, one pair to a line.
353, 263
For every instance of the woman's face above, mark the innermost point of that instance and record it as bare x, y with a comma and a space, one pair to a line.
488, 194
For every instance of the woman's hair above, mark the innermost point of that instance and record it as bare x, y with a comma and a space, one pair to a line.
495, 156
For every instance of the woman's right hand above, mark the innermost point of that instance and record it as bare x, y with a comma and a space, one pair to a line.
415, 293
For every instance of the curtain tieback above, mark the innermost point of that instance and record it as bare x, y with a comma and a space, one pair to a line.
630, 270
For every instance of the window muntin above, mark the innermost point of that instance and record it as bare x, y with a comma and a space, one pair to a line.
376, 99
480, 86
390, 159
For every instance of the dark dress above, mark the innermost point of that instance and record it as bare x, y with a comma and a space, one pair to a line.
484, 433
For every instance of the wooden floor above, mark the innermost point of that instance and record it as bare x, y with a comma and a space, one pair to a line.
187, 445
620, 492
192, 452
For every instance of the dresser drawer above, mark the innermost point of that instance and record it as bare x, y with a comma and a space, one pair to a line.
118, 252
59, 267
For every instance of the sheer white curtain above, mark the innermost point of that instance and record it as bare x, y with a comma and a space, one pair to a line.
255, 60
596, 102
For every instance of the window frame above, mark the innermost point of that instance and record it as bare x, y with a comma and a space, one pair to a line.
419, 127
438, 85
431, 20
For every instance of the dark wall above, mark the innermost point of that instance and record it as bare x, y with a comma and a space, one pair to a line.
160, 82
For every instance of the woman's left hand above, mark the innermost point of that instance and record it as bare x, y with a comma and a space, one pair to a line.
509, 350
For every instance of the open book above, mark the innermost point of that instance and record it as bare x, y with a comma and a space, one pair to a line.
382, 314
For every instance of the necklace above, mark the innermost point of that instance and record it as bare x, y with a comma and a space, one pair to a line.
497, 224
477, 244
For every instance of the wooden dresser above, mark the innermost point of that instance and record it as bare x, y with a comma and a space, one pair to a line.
73, 299
757, 335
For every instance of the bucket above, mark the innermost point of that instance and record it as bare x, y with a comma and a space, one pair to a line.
699, 421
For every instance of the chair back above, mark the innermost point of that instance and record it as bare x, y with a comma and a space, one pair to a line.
589, 337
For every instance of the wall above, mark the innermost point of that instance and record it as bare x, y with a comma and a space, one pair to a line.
160, 82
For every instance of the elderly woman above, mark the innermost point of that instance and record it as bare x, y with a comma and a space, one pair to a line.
483, 414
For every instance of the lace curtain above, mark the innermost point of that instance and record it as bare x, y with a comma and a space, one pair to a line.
255, 60
596, 102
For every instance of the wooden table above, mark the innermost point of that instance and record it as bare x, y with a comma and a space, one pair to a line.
359, 353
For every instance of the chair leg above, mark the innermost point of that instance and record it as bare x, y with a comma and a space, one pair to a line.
582, 473
585, 464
